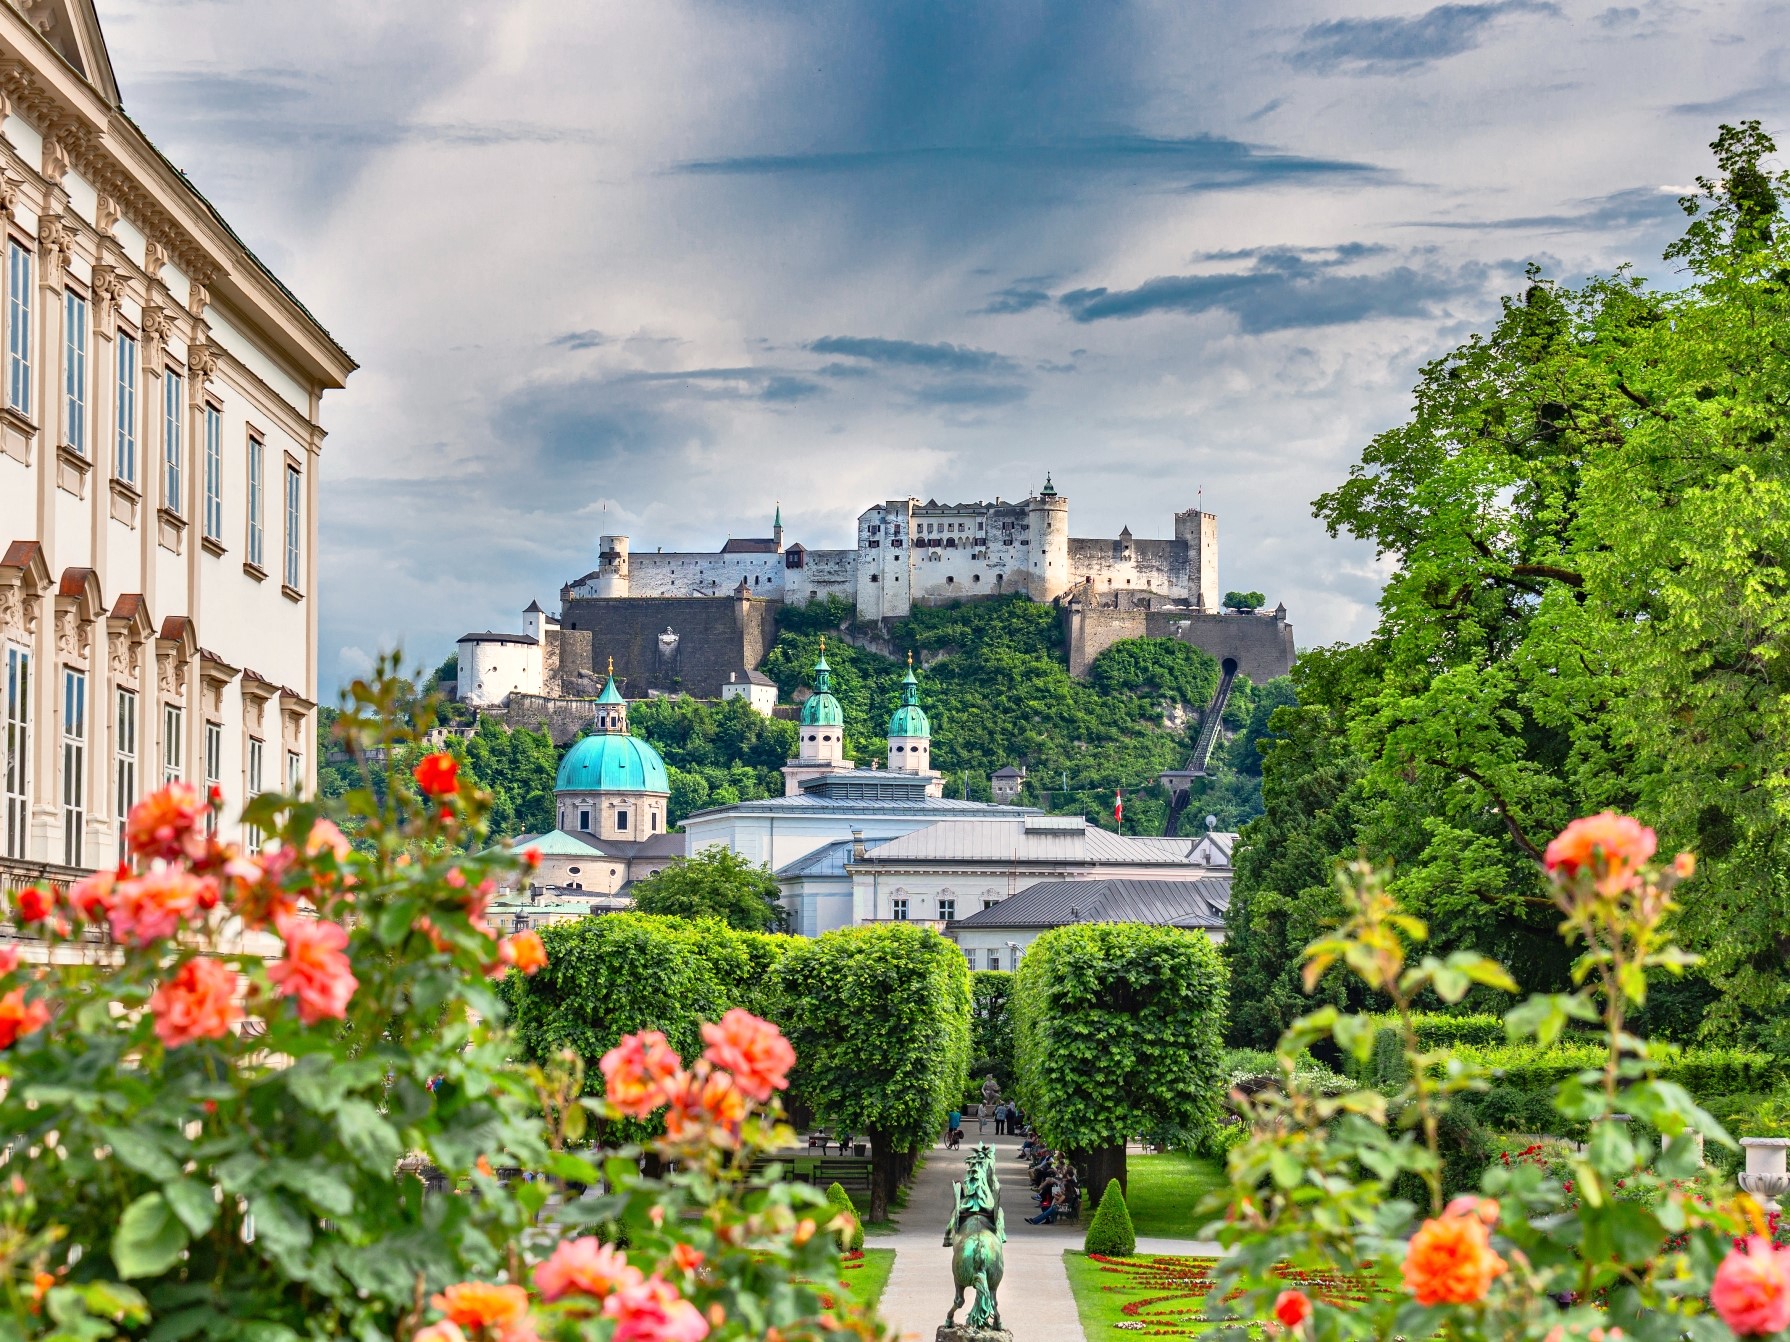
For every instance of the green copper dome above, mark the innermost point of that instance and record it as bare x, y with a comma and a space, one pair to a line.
612, 762
822, 709
910, 718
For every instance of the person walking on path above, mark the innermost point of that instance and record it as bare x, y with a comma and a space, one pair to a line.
981, 1118
1000, 1120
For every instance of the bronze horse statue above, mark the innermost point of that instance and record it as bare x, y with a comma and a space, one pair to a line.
978, 1229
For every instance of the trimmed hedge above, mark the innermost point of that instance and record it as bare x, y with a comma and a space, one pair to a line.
1111, 1232
1385, 1068
1717, 1071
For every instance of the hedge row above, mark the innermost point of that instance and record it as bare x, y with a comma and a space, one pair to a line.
1702, 1071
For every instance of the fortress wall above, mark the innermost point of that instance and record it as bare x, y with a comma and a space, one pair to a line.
1152, 565
561, 719
1261, 644
676, 645
684, 573
1090, 632
823, 573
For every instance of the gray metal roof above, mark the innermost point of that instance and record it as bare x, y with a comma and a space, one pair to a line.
1031, 839
827, 860
1197, 903
918, 803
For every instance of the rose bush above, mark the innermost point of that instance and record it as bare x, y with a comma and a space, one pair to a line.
1602, 1242
223, 1075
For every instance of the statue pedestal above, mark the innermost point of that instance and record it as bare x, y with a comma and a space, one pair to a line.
973, 1335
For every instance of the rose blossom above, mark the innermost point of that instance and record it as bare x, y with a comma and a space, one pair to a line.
151, 906
326, 834
701, 1101
19, 1018
34, 903
92, 895
9, 958
585, 1267
199, 1002
635, 1072
1752, 1288
439, 1332
438, 774
653, 1311
163, 823
315, 970
483, 1304
754, 1050
1450, 1259
524, 950
1292, 1308
1611, 848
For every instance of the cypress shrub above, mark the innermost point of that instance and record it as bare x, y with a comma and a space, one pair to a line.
1110, 1231
840, 1201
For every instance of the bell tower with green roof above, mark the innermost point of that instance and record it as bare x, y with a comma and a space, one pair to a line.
820, 739
910, 735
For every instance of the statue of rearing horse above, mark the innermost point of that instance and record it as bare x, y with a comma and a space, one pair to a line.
977, 1230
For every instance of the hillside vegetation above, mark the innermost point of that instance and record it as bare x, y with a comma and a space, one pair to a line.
995, 683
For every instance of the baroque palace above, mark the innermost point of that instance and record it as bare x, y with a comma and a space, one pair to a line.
159, 445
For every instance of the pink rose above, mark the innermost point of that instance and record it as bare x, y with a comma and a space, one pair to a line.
653, 1311
1752, 1288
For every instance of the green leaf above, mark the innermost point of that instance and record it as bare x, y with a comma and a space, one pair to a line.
396, 920
193, 1202
149, 1238
141, 1154
369, 1138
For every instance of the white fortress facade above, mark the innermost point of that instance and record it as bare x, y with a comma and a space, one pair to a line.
910, 552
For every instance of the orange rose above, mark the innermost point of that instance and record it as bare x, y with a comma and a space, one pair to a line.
1450, 1259
636, 1070
438, 774
164, 823
524, 950
687, 1257
19, 1018
92, 895
199, 1002
705, 1103
754, 1050
482, 1304
1610, 848
315, 970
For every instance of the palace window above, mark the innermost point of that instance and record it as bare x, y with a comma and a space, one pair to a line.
214, 473
173, 446
18, 327
125, 458
898, 909
74, 369
652, 822
124, 781
292, 521
257, 752
969, 955
621, 821
173, 746
17, 743
947, 910
74, 764
257, 465
584, 821
295, 772
214, 769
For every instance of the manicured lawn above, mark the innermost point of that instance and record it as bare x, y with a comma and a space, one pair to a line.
1165, 1192
1164, 1295
866, 1280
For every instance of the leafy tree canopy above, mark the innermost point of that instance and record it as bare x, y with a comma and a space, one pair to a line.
716, 883
1245, 600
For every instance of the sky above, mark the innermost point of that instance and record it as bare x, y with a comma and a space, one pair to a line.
658, 268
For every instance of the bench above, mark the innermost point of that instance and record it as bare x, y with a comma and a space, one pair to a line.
851, 1175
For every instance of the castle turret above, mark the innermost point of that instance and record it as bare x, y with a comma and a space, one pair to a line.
820, 739
536, 622
777, 529
910, 735
1047, 559
612, 567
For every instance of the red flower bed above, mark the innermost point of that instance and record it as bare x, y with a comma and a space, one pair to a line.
1173, 1303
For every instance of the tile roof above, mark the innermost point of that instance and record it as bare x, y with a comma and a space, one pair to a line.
750, 545
1198, 903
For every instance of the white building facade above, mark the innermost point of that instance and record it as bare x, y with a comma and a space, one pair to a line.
160, 394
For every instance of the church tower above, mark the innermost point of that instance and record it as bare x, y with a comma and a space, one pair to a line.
910, 735
820, 747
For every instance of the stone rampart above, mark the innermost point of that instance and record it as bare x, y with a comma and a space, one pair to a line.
675, 645
1261, 645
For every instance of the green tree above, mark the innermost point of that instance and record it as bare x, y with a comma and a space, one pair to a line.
1118, 1031
716, 883
1588, 516
991, 1029
1110, 1233
880, 1019
1245, 600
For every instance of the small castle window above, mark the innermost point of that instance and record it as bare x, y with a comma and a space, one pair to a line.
950, 578
975, 577
652, 821
621, 820
584, 821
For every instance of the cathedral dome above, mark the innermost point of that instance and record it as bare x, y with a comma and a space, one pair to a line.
822, 710
909, 719
612, 763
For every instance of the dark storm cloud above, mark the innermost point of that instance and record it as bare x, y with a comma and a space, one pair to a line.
1283, 289
942, 357
1391, 45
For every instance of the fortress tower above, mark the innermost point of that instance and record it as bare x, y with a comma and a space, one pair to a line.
1199, 532
1047, 514
612, 567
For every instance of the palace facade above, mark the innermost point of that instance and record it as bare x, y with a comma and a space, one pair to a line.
160, 393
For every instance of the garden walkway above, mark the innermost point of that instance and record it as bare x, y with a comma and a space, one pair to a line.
1035, 1300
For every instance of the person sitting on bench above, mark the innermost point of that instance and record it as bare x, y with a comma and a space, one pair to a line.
1047, 1212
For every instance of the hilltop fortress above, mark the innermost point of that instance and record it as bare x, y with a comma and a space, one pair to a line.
699, 622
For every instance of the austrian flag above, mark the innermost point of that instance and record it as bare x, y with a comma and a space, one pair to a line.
1118, 806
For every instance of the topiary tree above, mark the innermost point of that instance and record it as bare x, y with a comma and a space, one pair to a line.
851, 1239
880, 1019
1111, 1232
1118, 1030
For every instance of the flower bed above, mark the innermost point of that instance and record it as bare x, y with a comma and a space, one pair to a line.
1162, 1295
